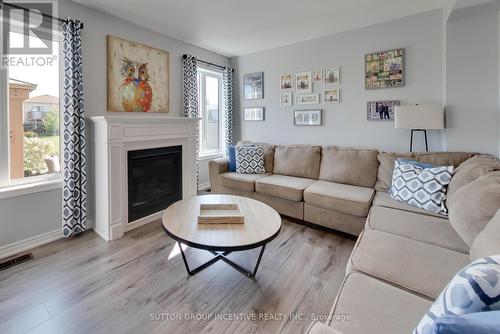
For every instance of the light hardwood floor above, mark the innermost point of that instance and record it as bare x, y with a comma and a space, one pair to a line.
86, 285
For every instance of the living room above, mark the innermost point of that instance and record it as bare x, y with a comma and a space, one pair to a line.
326, 167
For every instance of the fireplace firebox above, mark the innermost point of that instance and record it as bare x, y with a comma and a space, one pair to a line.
154, 180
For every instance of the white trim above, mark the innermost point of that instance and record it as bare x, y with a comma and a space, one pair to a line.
211, 156
204, 186
30, 188
30, 243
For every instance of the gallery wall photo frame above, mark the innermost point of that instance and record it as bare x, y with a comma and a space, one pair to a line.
303, 82
385, 69
253, 86
286, 99
301, 99
317, 75
310, 117
253, 114
381, 110
332, 76
286, 82
331, 95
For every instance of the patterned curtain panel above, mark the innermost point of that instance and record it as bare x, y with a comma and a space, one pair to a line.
190, 87
75, 177
227, 89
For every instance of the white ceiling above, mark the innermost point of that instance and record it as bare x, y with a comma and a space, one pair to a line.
238, 27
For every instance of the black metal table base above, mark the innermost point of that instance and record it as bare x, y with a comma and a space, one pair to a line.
222, 256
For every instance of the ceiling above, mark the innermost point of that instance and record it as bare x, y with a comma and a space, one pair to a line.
238, 27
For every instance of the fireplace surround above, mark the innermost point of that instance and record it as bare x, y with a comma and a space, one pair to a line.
113, 138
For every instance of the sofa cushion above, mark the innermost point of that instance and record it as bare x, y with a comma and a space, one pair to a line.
424, 188
487, 242
287, 187
245, 182
386, 167
386, 161
413, 265
474, 205
297, 160
340, 197
384, 199
268, 153
356, 167
475, 288
429, 229
376, 307
469, 171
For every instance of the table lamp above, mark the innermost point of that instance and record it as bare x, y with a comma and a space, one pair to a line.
419, 118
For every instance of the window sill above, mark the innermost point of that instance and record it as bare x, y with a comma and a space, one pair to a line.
210, 156
30, 188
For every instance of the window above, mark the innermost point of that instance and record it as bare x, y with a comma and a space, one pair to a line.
210, 104
30, 114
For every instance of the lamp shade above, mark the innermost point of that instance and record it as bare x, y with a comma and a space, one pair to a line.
419, 117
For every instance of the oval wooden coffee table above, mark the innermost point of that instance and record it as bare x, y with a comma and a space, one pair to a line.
262, 224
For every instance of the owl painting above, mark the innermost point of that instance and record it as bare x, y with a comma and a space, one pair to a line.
138, 77
135, 92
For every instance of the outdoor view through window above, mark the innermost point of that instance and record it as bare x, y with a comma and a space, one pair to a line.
34, 147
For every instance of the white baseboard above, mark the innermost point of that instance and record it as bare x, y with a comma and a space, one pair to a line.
204, 186
30, 243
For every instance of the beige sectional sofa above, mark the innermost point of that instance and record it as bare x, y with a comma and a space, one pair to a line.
404, 256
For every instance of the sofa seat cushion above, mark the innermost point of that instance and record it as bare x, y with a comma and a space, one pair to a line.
385, 200
282, 186
340, 197
376, 307
429, 229
245, 182
413, 265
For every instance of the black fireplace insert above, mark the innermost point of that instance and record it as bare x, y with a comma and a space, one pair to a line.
154, 180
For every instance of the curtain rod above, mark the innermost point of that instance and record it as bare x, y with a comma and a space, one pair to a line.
11, 5
184, 56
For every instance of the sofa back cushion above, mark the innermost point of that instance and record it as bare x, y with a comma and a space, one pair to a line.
297, 160
268, 153
386, 160
469, 171
356, 167
474, 205
487, 242
386, 168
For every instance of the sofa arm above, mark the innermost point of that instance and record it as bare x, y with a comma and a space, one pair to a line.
320, 328
215, 168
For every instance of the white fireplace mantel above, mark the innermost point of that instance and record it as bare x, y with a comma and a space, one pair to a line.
111, 138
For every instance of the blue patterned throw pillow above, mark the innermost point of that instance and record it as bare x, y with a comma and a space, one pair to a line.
421, 187
250, 160
477, 323
476, 288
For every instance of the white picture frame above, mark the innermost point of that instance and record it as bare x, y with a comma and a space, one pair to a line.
332, 76
253, 86
302, 82
301, 99
286, 82
317, 75
253, 114
286, 99
331, 95
313, 117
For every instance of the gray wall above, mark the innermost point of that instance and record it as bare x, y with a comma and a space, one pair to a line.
472, 88
345, 123
27, 216
31, 215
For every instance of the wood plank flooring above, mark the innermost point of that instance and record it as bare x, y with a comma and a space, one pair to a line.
138, 284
